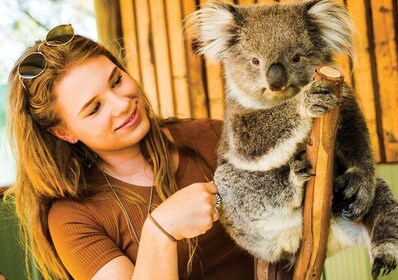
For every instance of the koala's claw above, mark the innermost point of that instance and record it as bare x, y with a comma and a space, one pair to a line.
385, 263
348, 183
357, 186
352, 214
319, 100
300, 169
348, 215
357, 209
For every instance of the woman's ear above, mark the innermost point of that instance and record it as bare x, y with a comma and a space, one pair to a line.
62, 133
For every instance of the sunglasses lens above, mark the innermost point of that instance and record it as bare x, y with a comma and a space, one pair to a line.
60, 35
32, 65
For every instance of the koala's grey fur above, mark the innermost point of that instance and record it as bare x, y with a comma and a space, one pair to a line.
269, 53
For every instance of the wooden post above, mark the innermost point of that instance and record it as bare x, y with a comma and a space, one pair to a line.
318, 198
273, 271
109, 26
319, 190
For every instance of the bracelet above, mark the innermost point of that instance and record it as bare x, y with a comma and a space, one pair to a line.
162, 229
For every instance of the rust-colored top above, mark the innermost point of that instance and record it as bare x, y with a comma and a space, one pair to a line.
88, 234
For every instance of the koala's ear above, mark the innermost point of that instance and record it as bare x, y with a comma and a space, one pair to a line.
333, 23
214, 27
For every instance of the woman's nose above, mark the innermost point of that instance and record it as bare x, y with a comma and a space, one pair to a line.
119, 104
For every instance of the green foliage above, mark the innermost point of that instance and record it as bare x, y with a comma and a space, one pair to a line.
3, 101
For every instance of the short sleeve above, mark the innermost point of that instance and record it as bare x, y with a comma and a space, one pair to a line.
81, 243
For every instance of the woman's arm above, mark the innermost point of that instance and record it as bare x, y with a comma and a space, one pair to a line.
157, 259
186, 214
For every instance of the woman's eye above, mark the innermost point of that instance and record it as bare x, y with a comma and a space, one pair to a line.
296, 58
255, 61
117, 82
95, 109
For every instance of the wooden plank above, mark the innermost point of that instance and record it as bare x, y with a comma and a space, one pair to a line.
387, 73
246, 2
265, 1
215, 89
178, 59
363, 72
196, 83
343, 62
130, 38
146, 56
107, 14
215, 85
162, 58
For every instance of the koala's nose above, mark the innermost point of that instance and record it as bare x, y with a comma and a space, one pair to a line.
277, 77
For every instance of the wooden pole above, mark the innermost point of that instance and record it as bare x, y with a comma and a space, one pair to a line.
318, 198
273, 271
319, 190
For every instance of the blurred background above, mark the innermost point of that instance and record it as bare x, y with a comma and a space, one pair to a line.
148, 35
21, 24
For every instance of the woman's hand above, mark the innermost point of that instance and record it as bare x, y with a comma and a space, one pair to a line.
189, 212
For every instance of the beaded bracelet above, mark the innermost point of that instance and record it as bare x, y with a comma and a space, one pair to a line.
162, 229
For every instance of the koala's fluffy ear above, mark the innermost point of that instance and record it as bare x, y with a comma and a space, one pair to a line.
214, 27
332, 21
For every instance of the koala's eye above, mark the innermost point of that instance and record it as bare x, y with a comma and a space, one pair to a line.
296, 58
255, 61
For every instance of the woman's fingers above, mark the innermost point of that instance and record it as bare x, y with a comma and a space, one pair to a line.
212, 188
190, 211
216, 214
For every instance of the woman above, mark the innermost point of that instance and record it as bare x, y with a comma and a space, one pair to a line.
105, 189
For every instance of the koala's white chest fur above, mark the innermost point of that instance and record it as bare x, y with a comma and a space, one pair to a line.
276, 156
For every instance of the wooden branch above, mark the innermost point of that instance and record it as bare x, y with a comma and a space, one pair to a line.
273, 271
319, 190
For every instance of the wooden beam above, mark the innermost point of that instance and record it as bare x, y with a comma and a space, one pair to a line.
215, 84
197, 91
387, 73
363, 74
161, 57
146, 53
266, 1
130, 38
178, 59
109, 28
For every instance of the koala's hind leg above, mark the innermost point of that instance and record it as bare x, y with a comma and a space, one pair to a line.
381, 223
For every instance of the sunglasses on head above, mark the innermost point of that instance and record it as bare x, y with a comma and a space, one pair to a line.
34, 64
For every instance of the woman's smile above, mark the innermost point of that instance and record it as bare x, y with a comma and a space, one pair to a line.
132, 121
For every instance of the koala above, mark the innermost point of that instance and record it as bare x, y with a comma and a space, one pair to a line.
269, 54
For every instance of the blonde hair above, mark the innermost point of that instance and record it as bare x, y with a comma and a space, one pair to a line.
50, 168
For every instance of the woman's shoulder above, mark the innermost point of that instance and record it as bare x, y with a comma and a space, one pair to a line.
68, 209
187, 130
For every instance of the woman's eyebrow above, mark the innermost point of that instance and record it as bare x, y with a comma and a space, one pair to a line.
86, 105
113, 73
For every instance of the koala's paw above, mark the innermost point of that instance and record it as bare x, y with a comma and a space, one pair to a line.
384, 263
300, 168
357, 186
318, 99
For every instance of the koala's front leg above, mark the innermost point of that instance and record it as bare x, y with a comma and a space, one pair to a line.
317, 99
354, 156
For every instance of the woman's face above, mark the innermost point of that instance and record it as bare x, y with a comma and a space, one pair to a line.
101, 106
